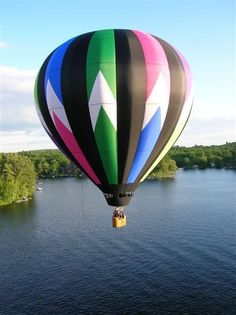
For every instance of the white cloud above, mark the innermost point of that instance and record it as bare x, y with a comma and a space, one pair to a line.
14, 80
209, 130
16, 99
20, 140
20, 128
4, 45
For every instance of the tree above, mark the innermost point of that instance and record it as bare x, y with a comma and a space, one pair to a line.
17, 177
206, 156
202, 161
48, 163
186, 162
218, 162
166, 168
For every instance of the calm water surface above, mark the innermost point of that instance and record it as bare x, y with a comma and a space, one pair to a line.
60, 255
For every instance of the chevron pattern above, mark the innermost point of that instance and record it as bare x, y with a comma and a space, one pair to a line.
114, 101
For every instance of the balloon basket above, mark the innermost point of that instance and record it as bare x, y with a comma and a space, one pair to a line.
118, 222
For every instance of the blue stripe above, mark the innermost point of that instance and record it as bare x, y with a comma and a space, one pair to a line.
147, 141
53, 71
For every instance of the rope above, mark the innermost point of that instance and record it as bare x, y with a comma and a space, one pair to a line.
83, 201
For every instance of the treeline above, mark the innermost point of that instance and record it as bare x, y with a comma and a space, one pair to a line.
18, 171
17, 178
51, 163
216, 156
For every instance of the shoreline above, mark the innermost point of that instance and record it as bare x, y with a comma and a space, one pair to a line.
151, 177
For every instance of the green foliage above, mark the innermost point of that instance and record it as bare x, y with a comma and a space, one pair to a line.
165, 169
18, 171
205, 156
17, 177
50, 163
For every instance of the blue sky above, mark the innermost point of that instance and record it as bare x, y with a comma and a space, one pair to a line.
204, 31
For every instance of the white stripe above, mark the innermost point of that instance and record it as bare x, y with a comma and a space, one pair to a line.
159, 97
55, 105
41, 118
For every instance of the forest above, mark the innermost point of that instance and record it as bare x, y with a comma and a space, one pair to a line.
49, 163
217, 156
18, 171
17, 178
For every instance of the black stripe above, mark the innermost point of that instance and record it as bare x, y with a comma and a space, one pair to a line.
56, 138
176, 103
131, 80
75, 100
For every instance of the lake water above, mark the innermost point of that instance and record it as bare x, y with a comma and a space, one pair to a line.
60, 255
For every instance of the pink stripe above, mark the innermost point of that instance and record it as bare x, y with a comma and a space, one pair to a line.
74, 148
154, 54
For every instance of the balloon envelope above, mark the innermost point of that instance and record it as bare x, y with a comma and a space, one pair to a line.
114, 102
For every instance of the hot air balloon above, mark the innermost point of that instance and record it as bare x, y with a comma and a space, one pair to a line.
114, 102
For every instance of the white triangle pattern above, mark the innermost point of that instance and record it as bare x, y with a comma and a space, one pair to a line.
101, 95
55, 105
159, 97
94, 111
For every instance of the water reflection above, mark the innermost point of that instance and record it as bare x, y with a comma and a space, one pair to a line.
18, 213
60, 255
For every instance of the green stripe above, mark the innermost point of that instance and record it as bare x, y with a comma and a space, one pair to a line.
101, 57
105, 135
36, 92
